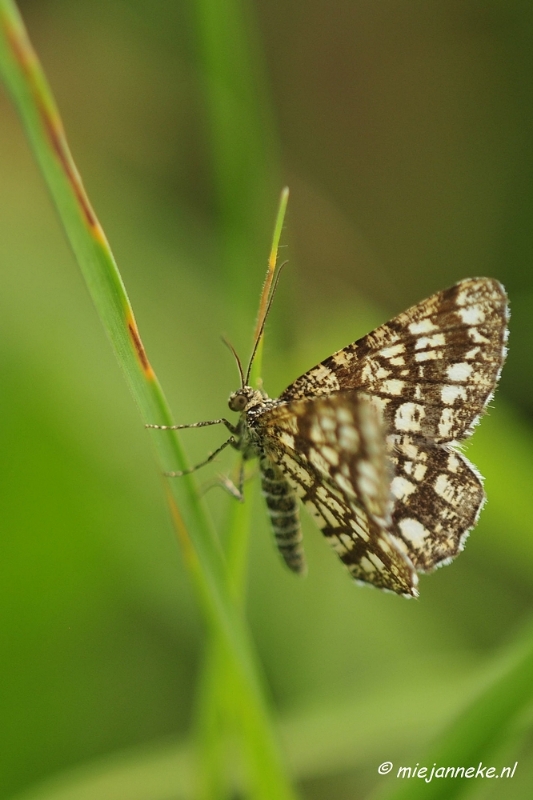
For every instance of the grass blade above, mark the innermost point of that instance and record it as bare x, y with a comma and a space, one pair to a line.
28, 87
216, 719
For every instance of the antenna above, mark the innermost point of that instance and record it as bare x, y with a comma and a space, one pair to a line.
263, 321
237, 359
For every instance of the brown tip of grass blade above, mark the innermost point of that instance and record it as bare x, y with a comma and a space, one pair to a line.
139, 347
26, 57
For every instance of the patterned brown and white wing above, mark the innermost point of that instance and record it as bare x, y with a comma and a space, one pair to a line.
438, 497
332, 452
432, 370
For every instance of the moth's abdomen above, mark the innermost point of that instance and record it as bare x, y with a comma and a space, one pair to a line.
282, 507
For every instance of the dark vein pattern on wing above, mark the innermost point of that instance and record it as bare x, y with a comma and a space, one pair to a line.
332, 452
430, 371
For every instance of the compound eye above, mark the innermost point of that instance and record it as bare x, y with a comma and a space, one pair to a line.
237, 402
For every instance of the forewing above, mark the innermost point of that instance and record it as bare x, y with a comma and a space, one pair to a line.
430, 371
332, 452
438, 497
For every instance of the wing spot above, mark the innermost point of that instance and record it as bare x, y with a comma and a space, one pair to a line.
367, 566
390, 352
472, 315
287, 439
473, 353
385, 546
317, 460
344, 484
347, 541
408, 417
419, 472
453, 463
335, 506
338, 546
393, 386
437, 340
382, 373
477, 337
344, 416
314, 512
345, 469
459, 372
327, 421
376, 560
449, 394
446, 489
348, 438
446, 423
414, 531
358, 528
429, 355
331, 455
367, 470
402, 488
328, 516
422, 326
316, 433
322, 493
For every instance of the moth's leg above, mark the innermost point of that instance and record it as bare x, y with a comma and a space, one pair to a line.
227, 484
231, 428
210, 457
240, 487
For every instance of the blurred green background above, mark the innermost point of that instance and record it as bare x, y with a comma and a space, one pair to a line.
405, 134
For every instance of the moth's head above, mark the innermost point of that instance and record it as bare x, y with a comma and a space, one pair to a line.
243, 398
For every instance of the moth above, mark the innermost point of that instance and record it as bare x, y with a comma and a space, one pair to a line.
368, 440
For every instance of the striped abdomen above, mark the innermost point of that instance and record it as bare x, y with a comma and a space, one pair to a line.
283, 510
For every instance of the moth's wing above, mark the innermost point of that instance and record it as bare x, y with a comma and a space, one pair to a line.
438, 497
332, 452
430, 371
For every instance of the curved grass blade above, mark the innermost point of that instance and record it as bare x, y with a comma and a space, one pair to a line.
28, 87
215, 712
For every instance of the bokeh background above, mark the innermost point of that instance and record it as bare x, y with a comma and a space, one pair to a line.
405, 133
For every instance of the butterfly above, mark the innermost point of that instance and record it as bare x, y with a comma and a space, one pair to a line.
367, 440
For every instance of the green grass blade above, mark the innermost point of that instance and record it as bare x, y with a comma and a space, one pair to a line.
242, 146
216, 718
242, 142
28, 87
